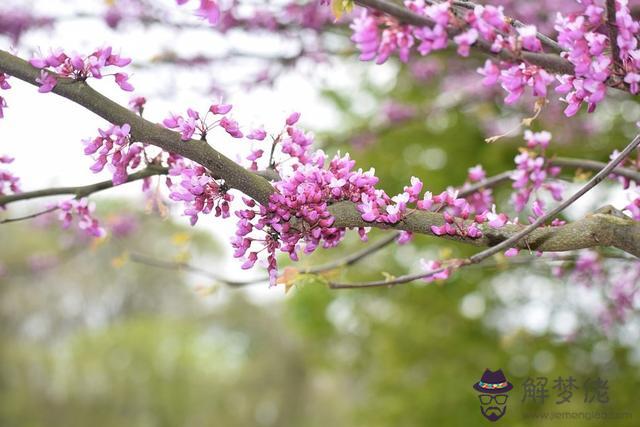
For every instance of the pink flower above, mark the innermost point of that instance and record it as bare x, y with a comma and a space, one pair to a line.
209, 10
430, 266
476, 173
528, 36
9, 182
4, 84
536, 139
137, 104
465, 40
83, 211
220, 108
231, 126
491, 73
405, 237
511, 252
414, 190
47, 82
257, 134
122, 79
365, 35
114, 143
293, 119
80, 68
3, 105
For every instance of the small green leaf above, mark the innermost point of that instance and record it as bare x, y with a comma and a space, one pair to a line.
338, 7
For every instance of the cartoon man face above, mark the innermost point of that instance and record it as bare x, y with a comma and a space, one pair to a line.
493, 388
493, 406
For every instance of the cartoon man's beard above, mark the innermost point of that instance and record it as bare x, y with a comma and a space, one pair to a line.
493, 413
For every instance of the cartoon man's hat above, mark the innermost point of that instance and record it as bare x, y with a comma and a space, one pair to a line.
493, 383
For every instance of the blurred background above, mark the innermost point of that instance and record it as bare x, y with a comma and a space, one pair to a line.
134, 329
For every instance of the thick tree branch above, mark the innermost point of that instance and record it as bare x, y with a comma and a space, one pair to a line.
597, 230
143, 130
594, 230
601, 227
591, 231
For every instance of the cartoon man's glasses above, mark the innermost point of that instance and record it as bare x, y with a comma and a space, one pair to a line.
486, 399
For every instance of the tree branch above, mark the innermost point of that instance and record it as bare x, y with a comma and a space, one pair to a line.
30, 216
594, 165
142, 130
183, 266
632, 246
545, 40
82, 191
550, 62
613, 34
596, 230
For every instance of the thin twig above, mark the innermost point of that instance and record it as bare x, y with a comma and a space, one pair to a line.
83, 190
354, 257
30, 216
183, 266
594, 165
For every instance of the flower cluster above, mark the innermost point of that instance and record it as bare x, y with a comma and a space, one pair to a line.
480, 200
590, 51
580, 34
9, 183
624, 292
118, 11
208, 9
534, 173
617, 282
80, 67
82, 210
187, 126
4, 85
194, 186
114, 143
378, 36
585, 49
14, 22
459, 216
298, 215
